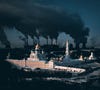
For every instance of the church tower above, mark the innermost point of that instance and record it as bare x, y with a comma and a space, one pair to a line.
67, 48
67, 56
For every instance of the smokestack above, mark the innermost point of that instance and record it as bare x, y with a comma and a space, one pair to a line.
25, 40
77, 44
33, 40
84, 45
38, 36
47, 40
54, 41
4, 39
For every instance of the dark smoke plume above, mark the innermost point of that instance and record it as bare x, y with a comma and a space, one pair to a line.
28, 15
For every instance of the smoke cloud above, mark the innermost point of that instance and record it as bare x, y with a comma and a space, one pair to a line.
35, 19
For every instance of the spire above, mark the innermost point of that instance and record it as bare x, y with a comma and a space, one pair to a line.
91, 57
81, 57
37, 47
8, 56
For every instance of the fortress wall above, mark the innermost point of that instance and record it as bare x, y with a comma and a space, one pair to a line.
74, 70
20, 63
32, 64
39, 64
